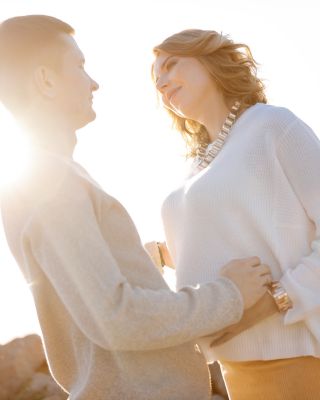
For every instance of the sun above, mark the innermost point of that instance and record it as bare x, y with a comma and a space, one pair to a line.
14, 149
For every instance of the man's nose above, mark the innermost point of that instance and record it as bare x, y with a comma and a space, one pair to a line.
94, 85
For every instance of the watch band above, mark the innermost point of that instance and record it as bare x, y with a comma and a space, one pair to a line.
280, 296
160, 254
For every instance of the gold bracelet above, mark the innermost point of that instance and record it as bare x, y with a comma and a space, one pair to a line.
280, 296
160, 254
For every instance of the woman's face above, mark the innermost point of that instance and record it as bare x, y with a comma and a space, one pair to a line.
184, 83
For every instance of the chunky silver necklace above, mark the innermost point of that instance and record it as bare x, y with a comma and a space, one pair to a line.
206, 154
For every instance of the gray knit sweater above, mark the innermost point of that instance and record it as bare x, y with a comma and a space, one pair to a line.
112, 329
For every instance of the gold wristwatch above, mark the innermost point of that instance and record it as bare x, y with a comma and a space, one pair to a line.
280, 296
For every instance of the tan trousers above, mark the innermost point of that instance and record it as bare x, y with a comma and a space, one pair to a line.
287, 379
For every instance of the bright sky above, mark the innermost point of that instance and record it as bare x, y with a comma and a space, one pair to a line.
130, 149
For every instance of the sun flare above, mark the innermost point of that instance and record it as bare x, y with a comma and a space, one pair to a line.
14, 150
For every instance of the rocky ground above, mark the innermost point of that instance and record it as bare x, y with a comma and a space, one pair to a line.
24, 373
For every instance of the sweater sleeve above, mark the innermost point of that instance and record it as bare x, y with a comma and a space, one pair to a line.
66, 242
299, 156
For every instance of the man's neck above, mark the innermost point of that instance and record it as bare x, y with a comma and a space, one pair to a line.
52, 136
58, 142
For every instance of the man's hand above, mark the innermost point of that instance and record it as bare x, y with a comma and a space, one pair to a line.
264, 308
250, 276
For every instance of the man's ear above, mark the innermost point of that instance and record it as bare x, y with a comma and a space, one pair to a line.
45, 81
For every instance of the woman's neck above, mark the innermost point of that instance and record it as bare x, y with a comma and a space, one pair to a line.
213, 116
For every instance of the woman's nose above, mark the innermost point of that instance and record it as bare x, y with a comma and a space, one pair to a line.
161, 84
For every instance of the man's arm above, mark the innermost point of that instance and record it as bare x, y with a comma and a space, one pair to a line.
263, 309
66, 242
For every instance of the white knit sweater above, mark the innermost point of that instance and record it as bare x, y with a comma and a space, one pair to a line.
260, 196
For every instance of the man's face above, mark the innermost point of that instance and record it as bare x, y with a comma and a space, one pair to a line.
74, 87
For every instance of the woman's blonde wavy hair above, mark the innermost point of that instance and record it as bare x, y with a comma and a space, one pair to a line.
230, 64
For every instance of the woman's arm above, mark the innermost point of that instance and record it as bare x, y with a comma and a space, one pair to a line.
298, 152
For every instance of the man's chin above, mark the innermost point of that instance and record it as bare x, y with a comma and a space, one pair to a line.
91, 117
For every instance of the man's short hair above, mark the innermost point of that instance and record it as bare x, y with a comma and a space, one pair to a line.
25, 41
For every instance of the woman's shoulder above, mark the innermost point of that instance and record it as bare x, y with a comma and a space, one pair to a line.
271, 117
273, 113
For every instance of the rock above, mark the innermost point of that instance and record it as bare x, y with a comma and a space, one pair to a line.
217, 383
41, 386
24, 372
19, 359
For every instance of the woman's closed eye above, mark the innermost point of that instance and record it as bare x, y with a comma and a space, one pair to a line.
170, 64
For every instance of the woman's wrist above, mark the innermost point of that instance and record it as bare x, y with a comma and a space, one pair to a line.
153, 250
161, 257
165, 255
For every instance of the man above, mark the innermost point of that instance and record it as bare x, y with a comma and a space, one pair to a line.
111, 327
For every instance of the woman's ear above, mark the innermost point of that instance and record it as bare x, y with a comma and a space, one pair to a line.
45, 81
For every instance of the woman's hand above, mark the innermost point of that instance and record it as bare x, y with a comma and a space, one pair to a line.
264, 308
159, 253
250, 276
166, 256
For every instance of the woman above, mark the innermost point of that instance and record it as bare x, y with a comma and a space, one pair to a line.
253, 188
